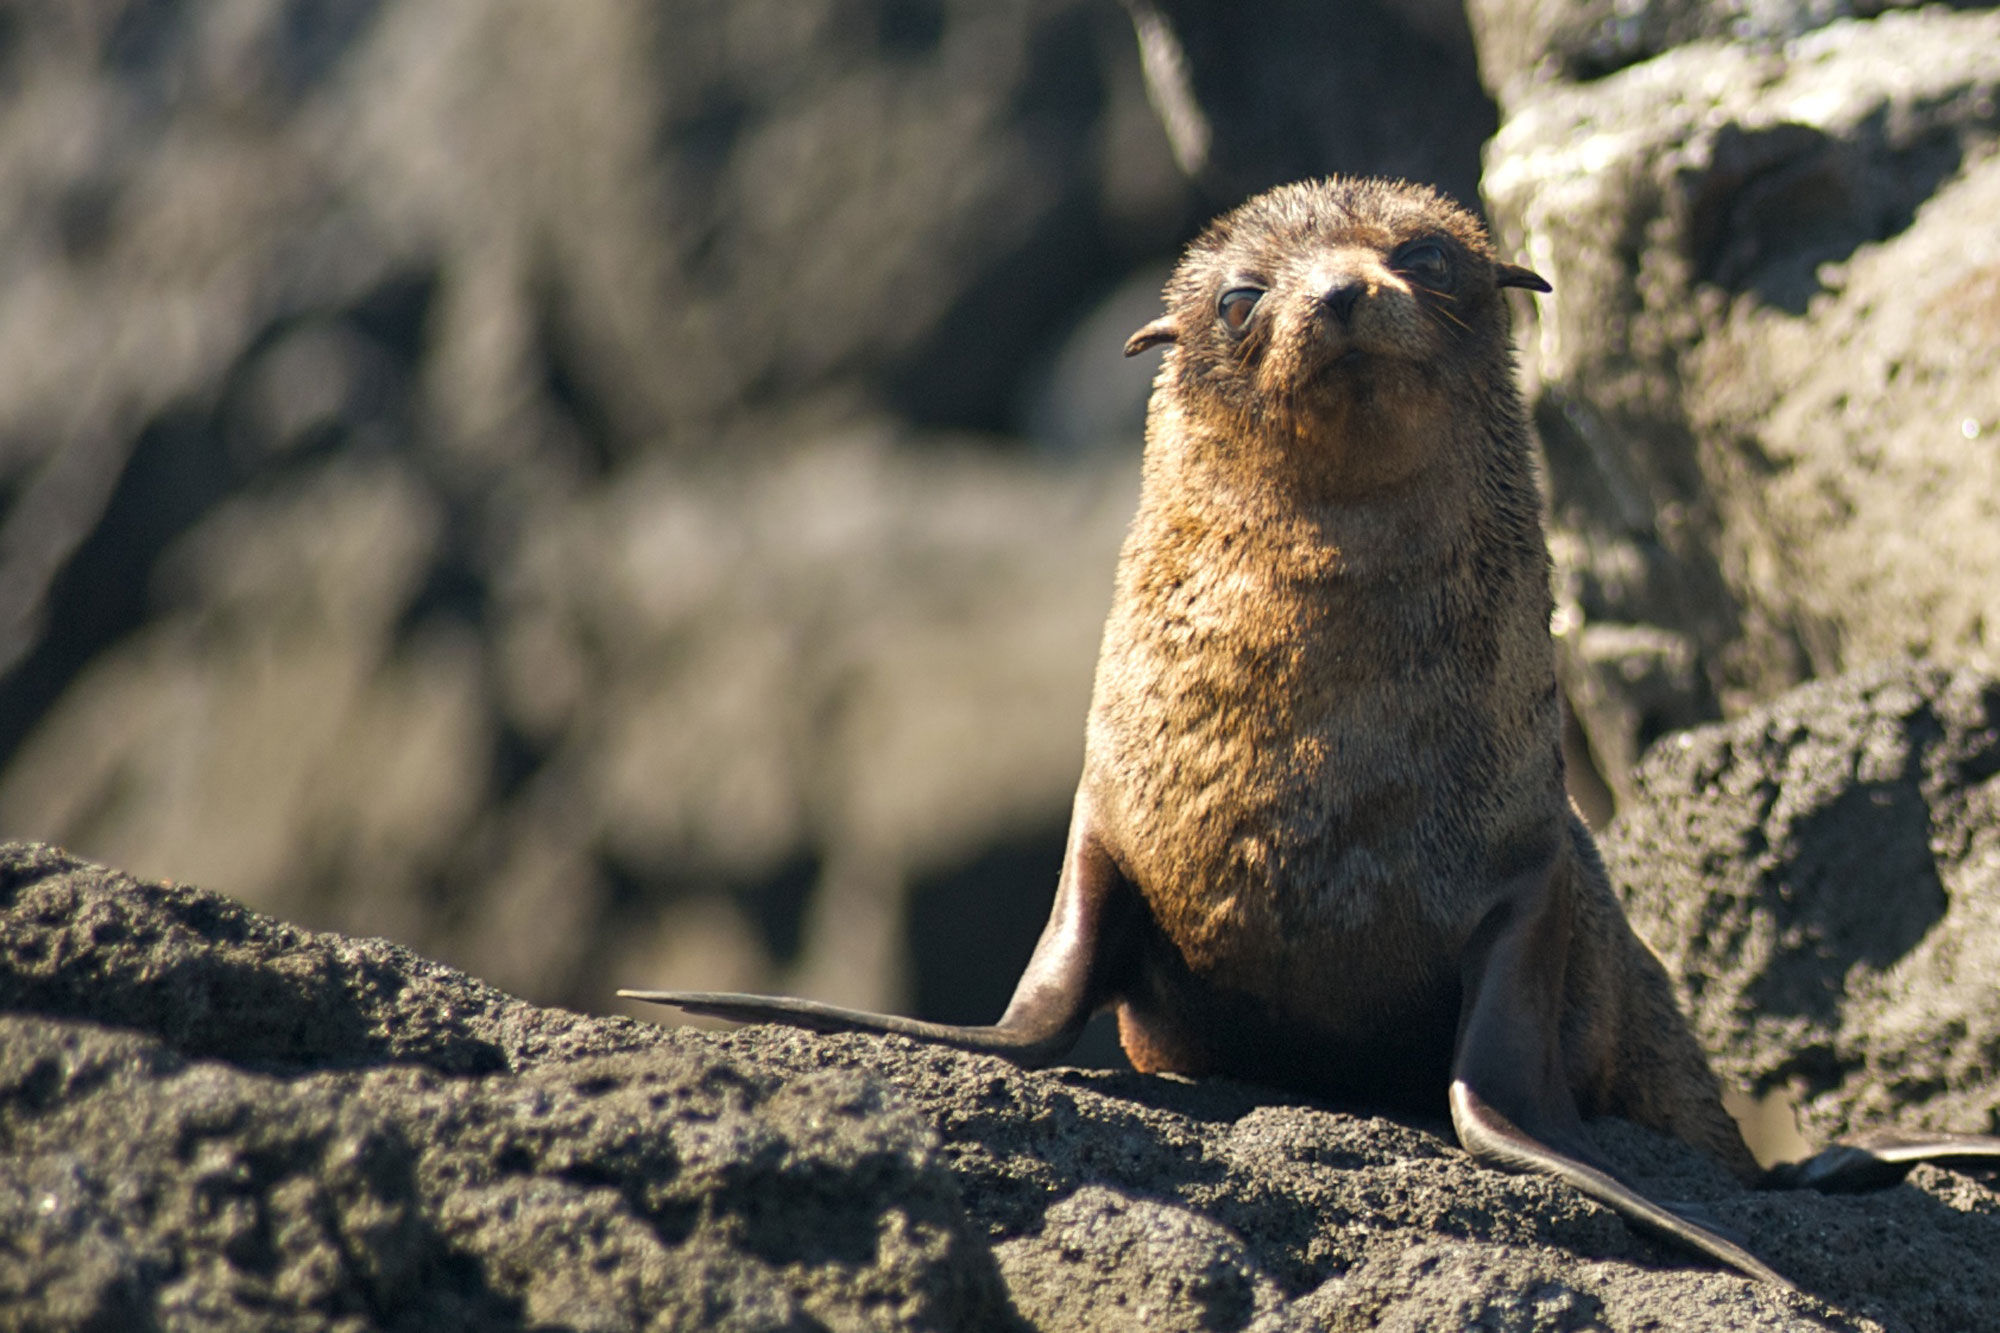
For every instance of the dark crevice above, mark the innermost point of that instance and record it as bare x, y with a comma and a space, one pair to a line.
972, 926
517, 758
1293, 119
1064, 265
1983, 762
699, 147
1774, 203
312, 38
150, 46
10, 51
948, 382
777, 903
187, 461
84, 214
909, 29
144, 35
569, 388
627, 893
397, 313
1063, 84
178, 471
454, 586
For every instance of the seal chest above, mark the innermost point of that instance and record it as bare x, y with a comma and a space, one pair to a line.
1314, 673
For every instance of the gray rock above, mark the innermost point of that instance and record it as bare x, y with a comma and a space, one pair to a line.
1823, 879
1766, 454
213, 1117
1527, 45
1105, 1259
333, 340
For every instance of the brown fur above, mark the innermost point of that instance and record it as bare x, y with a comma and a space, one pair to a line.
1325, 725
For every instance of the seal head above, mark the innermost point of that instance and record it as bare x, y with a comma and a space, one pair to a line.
1337, 312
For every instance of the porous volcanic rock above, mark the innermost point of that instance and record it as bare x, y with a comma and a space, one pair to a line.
1822, 877
213, 1116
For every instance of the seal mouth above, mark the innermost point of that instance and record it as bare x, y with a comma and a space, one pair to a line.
1340, 367
1349, 363
1340, 345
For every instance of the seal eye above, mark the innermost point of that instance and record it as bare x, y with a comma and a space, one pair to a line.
1427, 263
1236, 306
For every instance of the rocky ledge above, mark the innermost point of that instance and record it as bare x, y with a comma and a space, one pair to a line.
211, 1118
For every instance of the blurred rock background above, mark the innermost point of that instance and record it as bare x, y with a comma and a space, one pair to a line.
607, 493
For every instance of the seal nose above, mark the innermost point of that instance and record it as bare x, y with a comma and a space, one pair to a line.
1341, 296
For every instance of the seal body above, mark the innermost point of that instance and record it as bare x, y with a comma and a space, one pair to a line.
1325, 738
1326, 693
1321, 838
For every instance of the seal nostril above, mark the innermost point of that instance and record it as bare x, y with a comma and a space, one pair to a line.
1342, 299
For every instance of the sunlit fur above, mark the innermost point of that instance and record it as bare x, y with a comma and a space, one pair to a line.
1325, 725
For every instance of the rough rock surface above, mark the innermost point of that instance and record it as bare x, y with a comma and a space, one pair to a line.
209, 1115
213, 1118
527, 485
1823, 879
1528, 45
1766, 381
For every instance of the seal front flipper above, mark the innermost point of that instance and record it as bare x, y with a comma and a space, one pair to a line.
1074, 970
1883, 1158
1511, 1102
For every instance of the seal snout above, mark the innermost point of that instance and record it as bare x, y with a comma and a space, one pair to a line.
1342, 287
1341, 297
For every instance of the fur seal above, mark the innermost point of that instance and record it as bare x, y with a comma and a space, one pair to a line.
1322, 839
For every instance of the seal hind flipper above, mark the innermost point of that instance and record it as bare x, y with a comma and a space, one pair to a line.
1074, 970
1511, 1102
1494, 1139
1883, 1158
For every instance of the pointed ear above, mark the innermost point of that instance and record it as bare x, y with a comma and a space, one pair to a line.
1161, 330
1513, 275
